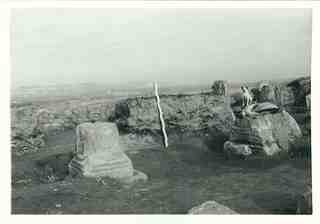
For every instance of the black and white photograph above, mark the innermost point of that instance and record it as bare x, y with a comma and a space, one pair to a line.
161, 111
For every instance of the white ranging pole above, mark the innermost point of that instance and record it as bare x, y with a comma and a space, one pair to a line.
163, 126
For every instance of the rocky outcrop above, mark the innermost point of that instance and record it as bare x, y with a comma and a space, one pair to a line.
98, 153
197, 113
268, 134
213, 208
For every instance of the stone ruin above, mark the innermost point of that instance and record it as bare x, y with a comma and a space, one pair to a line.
265, 127
30, 127
99, 154
301, 88
289, 95
220, 88
268, 93
269, 131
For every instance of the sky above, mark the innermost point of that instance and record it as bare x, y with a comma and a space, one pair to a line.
115, 46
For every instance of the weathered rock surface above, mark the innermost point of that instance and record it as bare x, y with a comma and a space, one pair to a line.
267, 94
220, 125
182, 114
239, 150
220, 88
288, 95
98, 153
211, 207
301, 88
285, 94
270, 133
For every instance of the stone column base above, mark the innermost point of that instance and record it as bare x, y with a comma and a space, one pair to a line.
116, 165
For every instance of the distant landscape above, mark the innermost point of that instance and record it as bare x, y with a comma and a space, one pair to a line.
21, 95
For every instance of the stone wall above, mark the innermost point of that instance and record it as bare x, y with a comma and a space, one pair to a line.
185, 115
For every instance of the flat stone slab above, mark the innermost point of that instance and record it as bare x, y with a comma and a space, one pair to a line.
265, 107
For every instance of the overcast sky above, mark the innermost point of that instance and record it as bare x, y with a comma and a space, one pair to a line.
166, 45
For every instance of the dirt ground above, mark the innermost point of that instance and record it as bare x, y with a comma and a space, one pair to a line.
180, 177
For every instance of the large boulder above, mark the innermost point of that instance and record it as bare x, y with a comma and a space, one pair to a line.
267, 133
98, 152
211, 207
